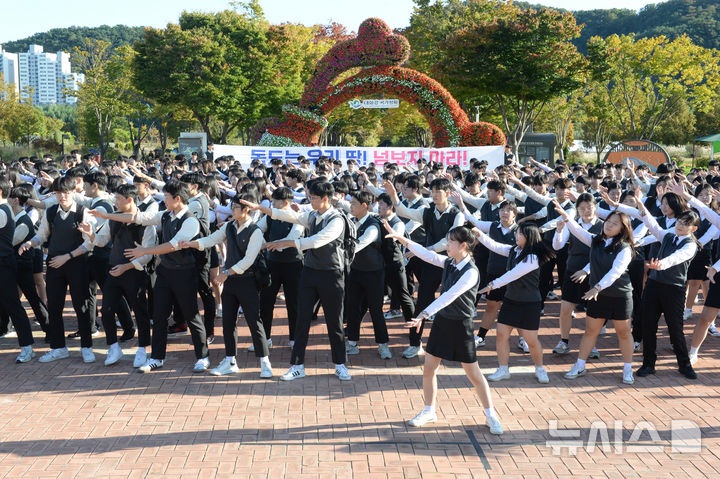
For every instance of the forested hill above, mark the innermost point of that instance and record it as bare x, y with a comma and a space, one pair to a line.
64, 39
699, 19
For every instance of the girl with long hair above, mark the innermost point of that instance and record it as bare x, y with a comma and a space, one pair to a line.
522, 303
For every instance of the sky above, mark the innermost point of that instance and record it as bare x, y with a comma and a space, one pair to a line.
20, 20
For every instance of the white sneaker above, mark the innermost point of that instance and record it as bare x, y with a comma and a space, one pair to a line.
479, 342
281, 297
603, 330
499, 375
251, 349
151, 365
637, 346
687, 314
712, 330
594, 354
87, 355
628, 377
140, 358
494, 424
384, 351
26, 354
413, 351
341, 371
54, 354
551, 296
523, 345
295, 372
266, 370
541, 375
11, 333
219, 312
291, 343
114, 354
201, 365
693, 359
561, 348
351, 349
226, 366
572, 314
575, 372
424, 417
393, 314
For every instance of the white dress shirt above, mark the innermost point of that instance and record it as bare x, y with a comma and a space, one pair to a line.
370, 235
417, 215
254, 246
43, 232
332, 231
189, 229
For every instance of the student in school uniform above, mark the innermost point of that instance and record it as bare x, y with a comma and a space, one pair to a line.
244, 241
9, 297
25, 229
285, 266
412, 199
395, 275
67, 267
451, 334
522, 302
575, 283
365, 285
610, 296
323, 274
502, 231
177, 278
437, 218
664, 292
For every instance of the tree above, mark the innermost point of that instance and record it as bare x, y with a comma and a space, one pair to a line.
520, 58
216, 66
103, 95
598, 125
647, 80
559, 116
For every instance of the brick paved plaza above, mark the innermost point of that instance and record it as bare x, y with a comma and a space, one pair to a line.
69, 419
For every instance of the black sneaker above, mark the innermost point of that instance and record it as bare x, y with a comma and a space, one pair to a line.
688, 372
645, 371
176, 329
127, 335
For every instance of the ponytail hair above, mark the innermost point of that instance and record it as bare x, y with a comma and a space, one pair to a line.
690, 218
463, 234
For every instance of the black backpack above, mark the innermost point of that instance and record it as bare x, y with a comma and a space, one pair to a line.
350, 240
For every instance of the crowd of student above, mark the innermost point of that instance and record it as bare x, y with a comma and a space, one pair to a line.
629, 246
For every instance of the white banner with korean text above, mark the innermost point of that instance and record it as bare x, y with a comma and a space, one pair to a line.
461, 156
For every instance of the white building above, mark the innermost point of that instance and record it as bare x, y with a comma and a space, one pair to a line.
9, 69
46, 75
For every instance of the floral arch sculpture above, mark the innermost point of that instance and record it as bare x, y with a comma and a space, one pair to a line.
380, 53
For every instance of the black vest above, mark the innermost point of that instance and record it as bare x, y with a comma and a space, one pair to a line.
203, 215
579, 252
330, 256
392, 250
103, 251
703, 228
487, 213
652, 206
370, 258
524, 289
124, 236
27, 257
496, 262
437, 228
180, 259
64, 235
675, 275
601, 262
237, 244
418, 236
144, 206
639, 250
532, 206
7, 232
551, 215
276, 230
463, 307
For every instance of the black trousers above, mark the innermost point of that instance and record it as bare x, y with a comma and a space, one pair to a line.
327, 287
286, 275
547, 281
430, 280
366, 288
669, 300
637, 273
180, 286
413, 269
98, 265
26, 282
10, 300
206, 295
481, 255
396, 280
74, 274
130, 286
241, 291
